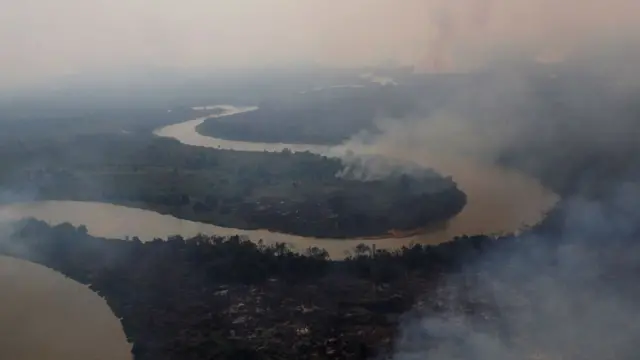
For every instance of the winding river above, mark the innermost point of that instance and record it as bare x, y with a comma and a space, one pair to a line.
47, 316
498, 200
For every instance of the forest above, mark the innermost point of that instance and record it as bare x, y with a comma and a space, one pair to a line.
35, 124
326, 116
229, 298
296, 193
566, 288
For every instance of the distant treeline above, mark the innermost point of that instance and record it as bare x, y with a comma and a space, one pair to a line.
33, 125
326, 116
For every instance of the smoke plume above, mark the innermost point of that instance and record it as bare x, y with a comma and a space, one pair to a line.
467, 33
556, 96
569, 300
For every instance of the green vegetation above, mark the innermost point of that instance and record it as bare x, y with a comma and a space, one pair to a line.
550, 291
328, 116
226, 298
45, 124
285, 192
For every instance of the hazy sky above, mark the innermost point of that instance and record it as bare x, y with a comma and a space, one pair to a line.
42, 38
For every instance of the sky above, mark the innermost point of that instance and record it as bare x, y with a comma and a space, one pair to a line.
41, 39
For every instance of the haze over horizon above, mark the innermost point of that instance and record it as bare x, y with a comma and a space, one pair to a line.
44, 40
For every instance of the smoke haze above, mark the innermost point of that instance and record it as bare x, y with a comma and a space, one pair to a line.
571, 313
568, 301
41, 40
571, 119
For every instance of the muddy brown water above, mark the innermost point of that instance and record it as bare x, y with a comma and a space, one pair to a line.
47, 316
499, 200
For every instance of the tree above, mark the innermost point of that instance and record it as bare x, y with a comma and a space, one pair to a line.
281, 249
362, 250
82, 229
337, 203
317, 253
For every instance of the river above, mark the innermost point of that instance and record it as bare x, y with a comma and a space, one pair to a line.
498, 200
47, 316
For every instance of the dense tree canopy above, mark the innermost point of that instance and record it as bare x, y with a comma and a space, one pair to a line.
297, 193
325, 116
228, 298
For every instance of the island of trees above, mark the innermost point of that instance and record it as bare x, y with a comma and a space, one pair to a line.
296, 193
328, 116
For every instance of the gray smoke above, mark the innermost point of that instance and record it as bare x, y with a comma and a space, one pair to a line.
519, 307
374, 167
571, 121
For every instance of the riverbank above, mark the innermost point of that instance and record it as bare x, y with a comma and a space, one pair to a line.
292, 193
47, 316
187, 299
228, 298
119, 222
499, 200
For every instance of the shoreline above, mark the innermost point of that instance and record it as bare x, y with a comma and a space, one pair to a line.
388, 235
